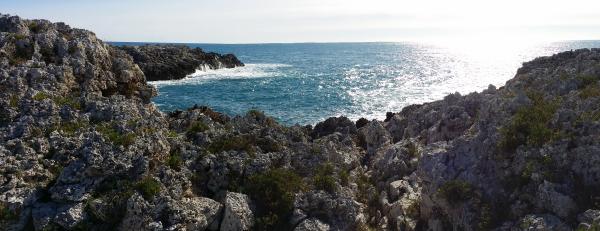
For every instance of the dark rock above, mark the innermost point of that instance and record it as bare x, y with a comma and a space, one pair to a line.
361, 122
334, 124
167, 62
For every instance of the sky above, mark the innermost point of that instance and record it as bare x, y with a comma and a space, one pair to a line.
275, 21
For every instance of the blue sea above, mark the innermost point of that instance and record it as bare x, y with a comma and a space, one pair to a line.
306, 83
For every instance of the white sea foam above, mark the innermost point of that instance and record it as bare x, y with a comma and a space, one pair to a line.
249, 71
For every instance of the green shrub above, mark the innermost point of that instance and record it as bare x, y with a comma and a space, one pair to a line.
412, 149
268, 145
259, 116
14, 101
22, 54
367, 192
132, 123
72, 49
6, 214
592, 90
175, 161
34, 27
117, 138
148, 187
72, 102
172, 134
456, 191
18, 37
196, 127
70, 128
48, 54
41, 96
586, 80
324, 178
529, 126
344, 177
273, 192
237, 143
315, 149
56, 169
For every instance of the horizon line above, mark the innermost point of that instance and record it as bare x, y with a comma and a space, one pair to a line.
327, 42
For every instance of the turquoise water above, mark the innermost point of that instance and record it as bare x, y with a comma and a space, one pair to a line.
306, 83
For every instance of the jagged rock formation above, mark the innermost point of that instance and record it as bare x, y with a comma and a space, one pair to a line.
81, 147
167, 62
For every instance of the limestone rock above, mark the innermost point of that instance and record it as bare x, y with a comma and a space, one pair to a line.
312, 224
194, 213
238, 213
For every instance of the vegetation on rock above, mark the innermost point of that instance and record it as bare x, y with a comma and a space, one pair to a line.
530, 125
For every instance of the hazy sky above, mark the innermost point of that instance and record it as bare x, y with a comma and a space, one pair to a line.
259, 21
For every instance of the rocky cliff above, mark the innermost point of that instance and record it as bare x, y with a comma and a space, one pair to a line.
83, 148
166, 62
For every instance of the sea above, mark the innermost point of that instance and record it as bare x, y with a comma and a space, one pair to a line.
304, 83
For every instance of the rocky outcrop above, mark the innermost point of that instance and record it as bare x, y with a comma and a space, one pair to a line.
83, 148
238, 213
167, 62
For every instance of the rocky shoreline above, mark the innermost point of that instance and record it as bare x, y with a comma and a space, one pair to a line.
169, 62
83, 148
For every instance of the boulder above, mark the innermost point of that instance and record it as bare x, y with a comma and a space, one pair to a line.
196, 213
238, 213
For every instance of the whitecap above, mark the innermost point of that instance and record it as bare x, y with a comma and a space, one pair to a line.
249, 71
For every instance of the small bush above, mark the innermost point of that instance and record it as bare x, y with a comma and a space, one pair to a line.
412, 149
22, 54
18, 37
315, 149
6, 214
175, 161
115, 136
590, 91
34, 27
48, 54
324, 178
70, 128
172, 134
344, 177
148, 187
268, 145
367, 193
72, 102
72, 49
41, 96
586, 80
456, 191
260, 116
273, 193
237, 143
196, 127
529, 125
14, 101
